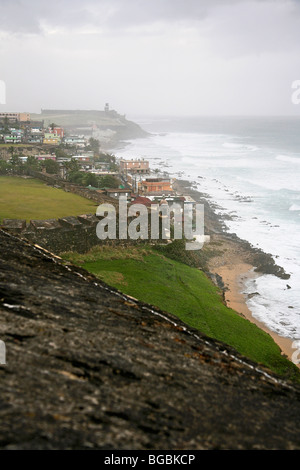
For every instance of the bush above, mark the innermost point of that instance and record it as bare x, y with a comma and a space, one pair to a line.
52, 167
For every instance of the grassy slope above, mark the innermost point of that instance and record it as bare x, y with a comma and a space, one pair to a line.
32, 199
187, 293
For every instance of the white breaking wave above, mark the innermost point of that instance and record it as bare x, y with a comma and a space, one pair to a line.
285, 158
232, 145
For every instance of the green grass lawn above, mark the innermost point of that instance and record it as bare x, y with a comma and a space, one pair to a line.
187, 293
22, 198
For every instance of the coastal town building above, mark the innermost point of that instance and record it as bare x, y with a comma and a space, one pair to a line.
45, 157
82, 158
170, 200
99, 172
22, 117
17, 129
142, 200
50, 138
59, 131
84, 161
12, 139
117, 192
154, 185
77, 140
134, 166
102, 166
34, 139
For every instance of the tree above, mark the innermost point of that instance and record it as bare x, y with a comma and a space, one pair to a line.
52, 167
76, 177
32, 162
109, 181
4, 167
91, 180
94, 145
72, 165
60, 153
52, 126
15, 160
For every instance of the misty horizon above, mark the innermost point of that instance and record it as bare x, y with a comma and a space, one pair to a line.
162, 58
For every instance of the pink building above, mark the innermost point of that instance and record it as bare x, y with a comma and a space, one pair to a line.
59, 131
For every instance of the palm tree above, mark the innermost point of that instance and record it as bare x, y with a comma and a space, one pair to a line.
52, 126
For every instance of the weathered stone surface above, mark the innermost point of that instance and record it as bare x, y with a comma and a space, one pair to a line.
70, 222
48, 224
88, 219
88, 367
14, 225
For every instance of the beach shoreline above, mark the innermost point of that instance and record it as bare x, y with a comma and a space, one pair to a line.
234, 278
235, 262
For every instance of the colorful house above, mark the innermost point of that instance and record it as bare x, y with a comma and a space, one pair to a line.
12, 139
59, 131
50, 138
77, 140
155, 185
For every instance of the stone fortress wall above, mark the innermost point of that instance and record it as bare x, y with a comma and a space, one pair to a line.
72, 233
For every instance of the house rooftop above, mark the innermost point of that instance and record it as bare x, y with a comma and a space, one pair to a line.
117, 190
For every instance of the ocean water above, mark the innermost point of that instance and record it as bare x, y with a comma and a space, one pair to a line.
250, 167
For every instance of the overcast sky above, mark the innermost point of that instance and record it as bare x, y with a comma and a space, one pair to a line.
165, 57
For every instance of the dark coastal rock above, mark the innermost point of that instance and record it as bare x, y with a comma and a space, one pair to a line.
253, 294
90, 368
217, 280
265, 264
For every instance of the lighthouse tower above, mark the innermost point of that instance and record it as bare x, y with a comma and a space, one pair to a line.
106, 107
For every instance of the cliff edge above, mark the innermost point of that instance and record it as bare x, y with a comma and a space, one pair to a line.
91, 368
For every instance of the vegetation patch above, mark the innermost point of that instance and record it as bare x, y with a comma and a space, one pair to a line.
195, 258
186, 292
28, 199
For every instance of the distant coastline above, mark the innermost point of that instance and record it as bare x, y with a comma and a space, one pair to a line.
109, 127
240, 262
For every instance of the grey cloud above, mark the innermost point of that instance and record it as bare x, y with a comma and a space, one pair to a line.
28, 16
16, 17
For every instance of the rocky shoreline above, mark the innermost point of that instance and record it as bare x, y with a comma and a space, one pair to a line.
215, 226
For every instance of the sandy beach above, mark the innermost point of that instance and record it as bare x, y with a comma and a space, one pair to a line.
234, 277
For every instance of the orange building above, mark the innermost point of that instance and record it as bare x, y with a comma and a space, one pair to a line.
155, 185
